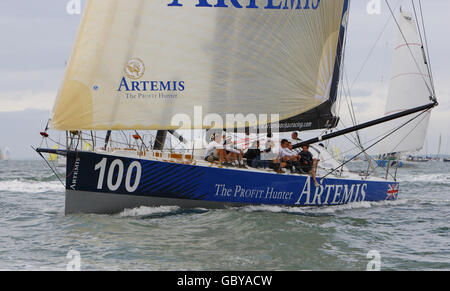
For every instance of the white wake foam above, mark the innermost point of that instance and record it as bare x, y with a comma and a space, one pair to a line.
145, 211
319, 210
21, 186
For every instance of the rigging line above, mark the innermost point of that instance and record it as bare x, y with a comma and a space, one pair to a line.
417, 22
56, 142
344, 54
346, 93
125, 137
351, 107
402, 126
426, 57
356, 138
409, 48
363, 151
370, 140
358, 147
392, 132
341, 65
347, 96
349, 100
427, 48
373, 47
142, 141
353, 115
48, 164
408, 134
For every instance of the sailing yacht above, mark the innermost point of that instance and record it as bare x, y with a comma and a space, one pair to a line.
256, 69
5, 154
438, 155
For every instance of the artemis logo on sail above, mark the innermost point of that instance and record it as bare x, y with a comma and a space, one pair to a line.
135, 69
268, 4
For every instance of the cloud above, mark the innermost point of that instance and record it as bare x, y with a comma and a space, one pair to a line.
37, 37
368, 99
29, 89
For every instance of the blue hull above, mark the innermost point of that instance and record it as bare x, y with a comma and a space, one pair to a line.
109, 176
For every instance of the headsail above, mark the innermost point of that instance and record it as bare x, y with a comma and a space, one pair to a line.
410, 87
136, 64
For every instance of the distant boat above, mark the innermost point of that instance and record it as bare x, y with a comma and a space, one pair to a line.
439, 148
5, 155
447, 160
417, 159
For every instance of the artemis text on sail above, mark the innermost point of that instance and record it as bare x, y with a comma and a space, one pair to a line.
270, 4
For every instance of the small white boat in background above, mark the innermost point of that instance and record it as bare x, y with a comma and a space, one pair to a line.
5, 155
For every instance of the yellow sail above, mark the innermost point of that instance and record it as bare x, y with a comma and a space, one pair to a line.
136, 64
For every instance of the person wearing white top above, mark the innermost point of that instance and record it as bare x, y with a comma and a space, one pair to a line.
286, 153
294, 154
269, 154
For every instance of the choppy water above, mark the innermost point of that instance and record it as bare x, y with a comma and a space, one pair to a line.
409, 234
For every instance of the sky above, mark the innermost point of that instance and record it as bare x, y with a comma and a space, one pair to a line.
37, 38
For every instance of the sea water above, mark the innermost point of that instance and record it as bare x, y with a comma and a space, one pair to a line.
409, 234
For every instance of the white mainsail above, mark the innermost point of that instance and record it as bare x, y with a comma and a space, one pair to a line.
136, 64
410, 87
